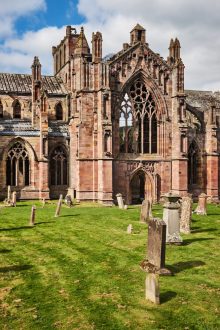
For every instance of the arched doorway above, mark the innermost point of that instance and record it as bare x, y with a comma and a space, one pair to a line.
140, 187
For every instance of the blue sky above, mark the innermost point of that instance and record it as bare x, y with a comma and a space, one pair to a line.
32, 27
57, 13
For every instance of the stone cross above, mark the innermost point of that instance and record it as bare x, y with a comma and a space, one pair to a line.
9, 193
145, 211
14, 198
120, 201
57, 213
32, 218
186, 215
129, 229
171, 216
202, 205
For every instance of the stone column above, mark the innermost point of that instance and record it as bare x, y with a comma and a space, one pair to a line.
171, 216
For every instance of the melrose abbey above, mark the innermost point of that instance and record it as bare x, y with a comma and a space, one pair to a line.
102, 126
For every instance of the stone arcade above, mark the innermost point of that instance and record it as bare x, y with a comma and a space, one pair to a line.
99, 127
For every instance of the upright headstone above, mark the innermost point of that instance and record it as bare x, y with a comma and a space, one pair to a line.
32, 218
171, 217
186, 215
43, 202
57, 213
145, 211
154, 265
150, 209
129, 229
202, 205
14, 198
9, 194
120, 201
152, 288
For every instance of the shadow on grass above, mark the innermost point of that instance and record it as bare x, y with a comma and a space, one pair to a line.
43, 222
5, 251
166, 296
198, 230
192, 240
183, 265
15, 268
69, 215
16, 228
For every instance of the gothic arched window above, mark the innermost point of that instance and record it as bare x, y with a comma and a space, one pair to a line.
193, 163
138, 121
58, 167
59, 112
17, 110
1, 110
17, 166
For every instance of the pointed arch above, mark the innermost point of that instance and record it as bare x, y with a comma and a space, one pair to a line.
193, 163
58, 166
59, 111
16, 109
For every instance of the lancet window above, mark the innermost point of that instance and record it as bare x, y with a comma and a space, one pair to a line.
17, 166
17, 110
138, 121
58, 167
59, 112
193, 157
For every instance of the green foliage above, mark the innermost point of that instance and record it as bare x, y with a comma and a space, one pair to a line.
81, 271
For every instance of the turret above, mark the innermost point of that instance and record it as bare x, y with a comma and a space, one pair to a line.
82, 46
96, 47
137, 35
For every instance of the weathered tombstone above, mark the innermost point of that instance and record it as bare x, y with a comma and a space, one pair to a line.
32, 218
145, 210
186, 214
9, 194
202, 205
125, 207
154, 265
171, 216
57, 213
152, 288
14, 198
150, 208
43, 202
120, 201
129, 229
68, 201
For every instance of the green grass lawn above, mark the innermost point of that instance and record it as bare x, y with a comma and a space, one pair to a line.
81, 271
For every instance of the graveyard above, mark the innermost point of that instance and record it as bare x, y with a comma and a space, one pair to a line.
81, 270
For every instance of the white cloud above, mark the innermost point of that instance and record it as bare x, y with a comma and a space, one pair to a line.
196, 24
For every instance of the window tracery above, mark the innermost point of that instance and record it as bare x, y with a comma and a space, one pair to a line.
138, 121
193, 163
58, 167
17, 166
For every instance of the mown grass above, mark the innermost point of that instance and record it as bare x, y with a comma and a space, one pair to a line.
81, 271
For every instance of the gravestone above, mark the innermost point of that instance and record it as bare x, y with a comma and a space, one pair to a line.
9, 194
120, 201
59, 204
68, 201
129, 229
186, 215
14, 198
155, 262
202, 205
145, 211
152, 288
32, 218
43, 202
171, 217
